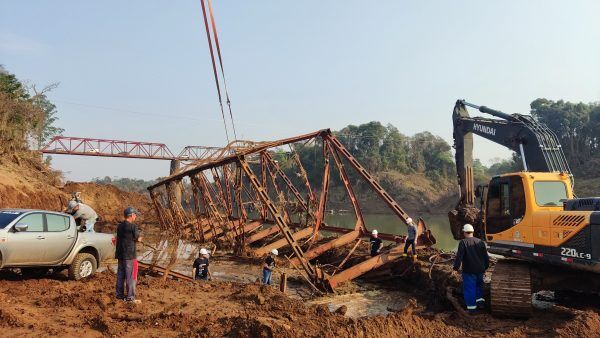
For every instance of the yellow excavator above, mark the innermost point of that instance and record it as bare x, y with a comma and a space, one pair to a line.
549, 238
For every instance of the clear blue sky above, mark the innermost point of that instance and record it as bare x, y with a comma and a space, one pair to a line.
293, 66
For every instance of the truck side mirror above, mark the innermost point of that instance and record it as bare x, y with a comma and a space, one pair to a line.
20, 227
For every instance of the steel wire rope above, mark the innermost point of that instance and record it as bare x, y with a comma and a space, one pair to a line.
216, 36
214, 66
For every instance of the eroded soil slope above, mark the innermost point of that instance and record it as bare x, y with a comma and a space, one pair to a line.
35, 186
109, 201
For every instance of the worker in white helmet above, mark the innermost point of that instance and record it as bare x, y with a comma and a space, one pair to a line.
200, 269
269, 266
375, 243
472, 255
411, 237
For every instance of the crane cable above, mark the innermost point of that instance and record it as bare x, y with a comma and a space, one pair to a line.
212, 57
216, 36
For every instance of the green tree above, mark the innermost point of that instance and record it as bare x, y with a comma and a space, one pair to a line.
576, 126
46, 128
23, 116
11, 86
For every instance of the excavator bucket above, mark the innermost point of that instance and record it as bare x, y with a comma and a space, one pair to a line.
462, 215
425, 236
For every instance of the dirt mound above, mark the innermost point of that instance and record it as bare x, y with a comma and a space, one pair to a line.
33, 185
109, 201
27, 185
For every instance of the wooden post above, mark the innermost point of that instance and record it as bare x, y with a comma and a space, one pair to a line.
283, 283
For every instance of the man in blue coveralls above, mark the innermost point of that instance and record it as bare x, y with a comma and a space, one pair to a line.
473, 256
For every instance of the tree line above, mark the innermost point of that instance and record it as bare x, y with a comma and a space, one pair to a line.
27, 117
127, 184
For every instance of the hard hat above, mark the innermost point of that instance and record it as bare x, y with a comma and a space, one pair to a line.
468, 228
72, 205
374, 232
203, 251
275, 252
409, 220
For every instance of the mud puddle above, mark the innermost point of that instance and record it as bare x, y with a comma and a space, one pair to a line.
362, 302
366, 303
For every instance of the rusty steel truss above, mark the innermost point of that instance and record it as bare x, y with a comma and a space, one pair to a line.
82, 146
241, 196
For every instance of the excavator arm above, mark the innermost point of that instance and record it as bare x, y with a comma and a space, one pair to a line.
537, 145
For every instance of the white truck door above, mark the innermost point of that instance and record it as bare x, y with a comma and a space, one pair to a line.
26, 247
60, 236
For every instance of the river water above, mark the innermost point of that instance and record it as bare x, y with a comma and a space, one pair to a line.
386, 223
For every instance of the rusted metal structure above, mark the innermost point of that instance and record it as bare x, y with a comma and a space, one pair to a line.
82, 146
241, 196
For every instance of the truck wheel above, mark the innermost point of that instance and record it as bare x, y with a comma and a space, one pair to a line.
83, 266
34, 272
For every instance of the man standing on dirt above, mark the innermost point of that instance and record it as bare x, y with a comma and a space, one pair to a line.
200, 270
269, 266
473, 256
128, 234
411, 237
375, 242
84, 213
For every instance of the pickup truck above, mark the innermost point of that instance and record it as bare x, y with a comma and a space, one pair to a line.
39, 240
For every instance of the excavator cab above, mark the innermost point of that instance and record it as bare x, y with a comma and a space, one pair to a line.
505, 203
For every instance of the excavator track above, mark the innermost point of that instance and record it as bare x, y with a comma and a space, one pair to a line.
511, 289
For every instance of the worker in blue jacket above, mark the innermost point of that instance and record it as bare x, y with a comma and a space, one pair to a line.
472, 255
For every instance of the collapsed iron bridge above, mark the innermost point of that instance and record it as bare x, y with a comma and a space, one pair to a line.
241, 196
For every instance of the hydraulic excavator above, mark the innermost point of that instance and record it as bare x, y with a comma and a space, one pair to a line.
549, 239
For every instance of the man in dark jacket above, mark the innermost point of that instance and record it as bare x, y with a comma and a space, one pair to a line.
473, 256
200, 268
375, 243
128, 234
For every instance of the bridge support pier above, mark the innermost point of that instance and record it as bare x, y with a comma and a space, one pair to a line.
174, 169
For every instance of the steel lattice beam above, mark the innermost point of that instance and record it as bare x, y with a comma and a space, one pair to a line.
65, 145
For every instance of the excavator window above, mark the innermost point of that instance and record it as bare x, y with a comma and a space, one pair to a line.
505, 204
549, 193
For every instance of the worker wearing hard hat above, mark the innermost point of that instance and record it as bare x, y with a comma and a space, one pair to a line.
473, 256
269, 266
411, 237
375, 243
128, 234
86, 215
200, 268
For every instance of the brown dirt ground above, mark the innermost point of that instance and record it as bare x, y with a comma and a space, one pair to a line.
55, 306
